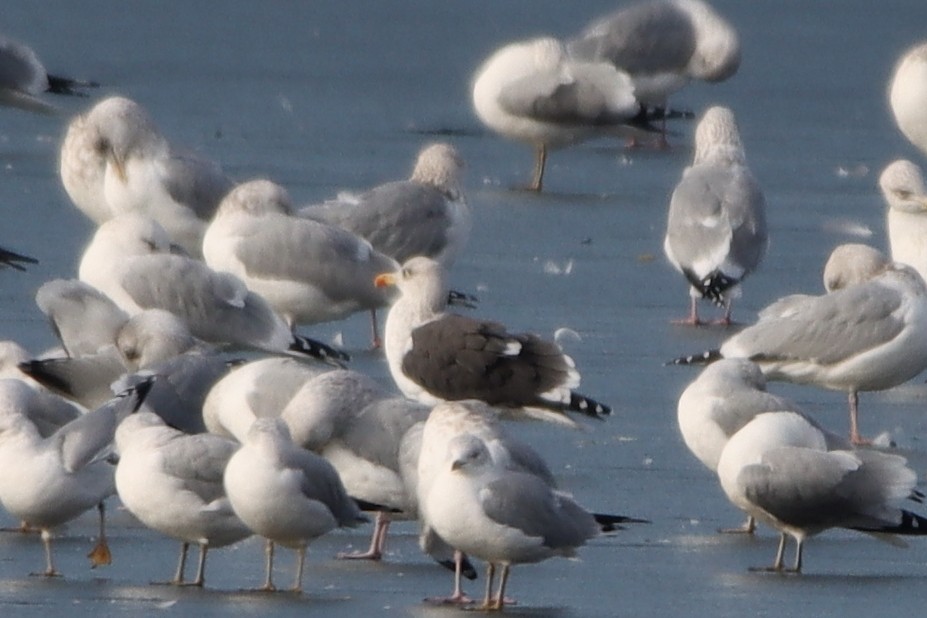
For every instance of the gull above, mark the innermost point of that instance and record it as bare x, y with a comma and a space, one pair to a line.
865, 337
84, 319
50, 481
128, 260
259, 388
308, 271
662, 45
903, 188
716, 228
532, 91
436, 356
172, 482
852, 263
907, 93
141, 172
424, 215
359, 427
726, 396
286, 494
501, 516
778, 469
23, 77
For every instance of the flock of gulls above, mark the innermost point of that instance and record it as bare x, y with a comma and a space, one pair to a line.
226, 423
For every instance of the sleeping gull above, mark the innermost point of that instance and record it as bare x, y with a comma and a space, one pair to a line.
424, 215
308, 271
778, 469
716, 229
726, 396
907, 93
866, 337
437, 356
904, 190
128, 260
59, 477
534, 92
286, 494
142, 172
852, 263
501, 516
172, 482
662, 45
23, 78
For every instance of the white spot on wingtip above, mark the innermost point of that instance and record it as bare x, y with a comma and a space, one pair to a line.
337, 339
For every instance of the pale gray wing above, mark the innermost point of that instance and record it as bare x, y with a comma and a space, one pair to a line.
199, 461
829, 329
83, 318
84, 379
817, 489
195, 182
217, 307
647, 37
320, 481
340, 263
400, 219
524, 458
737, 409
525, 502
377, 431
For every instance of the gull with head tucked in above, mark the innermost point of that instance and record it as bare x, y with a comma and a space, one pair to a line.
907, 94
716, 228
904, 190
662, 45
114, 160
23, 77
534, 92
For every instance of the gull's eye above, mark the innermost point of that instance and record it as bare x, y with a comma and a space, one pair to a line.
406, 273
903, 194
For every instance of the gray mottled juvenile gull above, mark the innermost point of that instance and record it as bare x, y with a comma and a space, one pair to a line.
128, 260
904, 190
23, 78
63, 475
865, 337
438, 356
778, 469
308, 271
726, 396
534, 92
501, 516
142, 172
172, 482
15, 260
907, 93
285, 493
259, 388
424, 215
662, 45
716, 228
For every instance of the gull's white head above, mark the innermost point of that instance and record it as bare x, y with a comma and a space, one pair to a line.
256, 197
467, 454
853, 263
717, 138
152, 336
122, 129
421, 281
441, 166
902, 185
907, 92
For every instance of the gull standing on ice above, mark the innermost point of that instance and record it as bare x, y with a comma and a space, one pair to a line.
23, 78
904, 190
908, 94
172, 482
534, 92
424, 215
662, 45
779, 470
309, 272
285, 493
437, 356
128, 260
141, 172
716, 229
866, 337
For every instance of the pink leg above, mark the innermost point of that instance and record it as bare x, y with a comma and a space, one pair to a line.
855, 436
458, 597
377, 541
692, 319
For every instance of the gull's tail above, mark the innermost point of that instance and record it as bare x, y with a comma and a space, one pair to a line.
911, 524
712, 286
703, 358
65, 85
610, 523
589, 407
13, 259
319, 350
